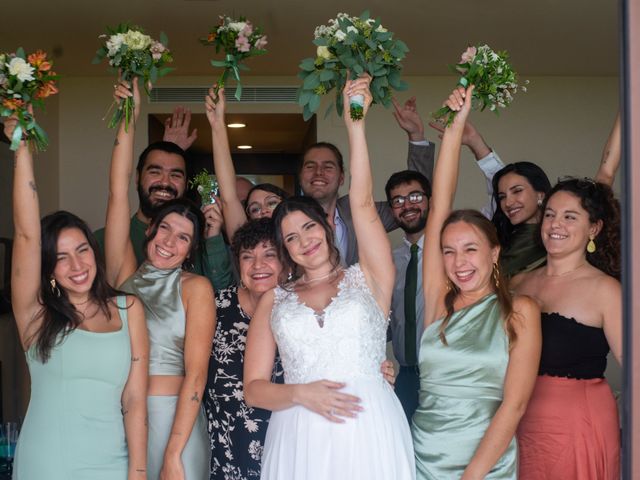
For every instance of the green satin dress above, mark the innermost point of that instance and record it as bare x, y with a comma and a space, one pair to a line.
461, 387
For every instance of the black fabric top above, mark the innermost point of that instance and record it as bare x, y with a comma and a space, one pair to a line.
572, 349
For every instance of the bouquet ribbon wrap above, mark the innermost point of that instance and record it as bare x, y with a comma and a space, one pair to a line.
230, 64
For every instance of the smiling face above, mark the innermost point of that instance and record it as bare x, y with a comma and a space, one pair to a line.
320, 176
171, 245
412, 217
468, 258
261, 204
565, 225
75, 268
305, 240
518, 200
259, 267
163, 178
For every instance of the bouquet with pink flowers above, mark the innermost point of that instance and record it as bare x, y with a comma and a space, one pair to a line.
495, 80
239, 40
25, 81
134, 54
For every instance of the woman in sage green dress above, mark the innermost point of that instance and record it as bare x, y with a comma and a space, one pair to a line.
85, 343
480, 349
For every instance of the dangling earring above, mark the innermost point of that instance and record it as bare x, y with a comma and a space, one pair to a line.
496, 275
54, 288
290, 276
539, 202
591, 246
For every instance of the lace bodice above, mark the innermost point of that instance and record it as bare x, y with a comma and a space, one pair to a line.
349, 344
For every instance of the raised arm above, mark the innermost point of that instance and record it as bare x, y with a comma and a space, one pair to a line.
444, 187
524, 358
611, 154
200, 314
134, 395
234, 214
120, 259
25, 266
374, 249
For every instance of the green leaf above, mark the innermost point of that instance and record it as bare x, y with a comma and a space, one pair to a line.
326, 75
402, 46
304, 96
164, 40
329, 110
153, 74
357, 69
321, 42
364, 16
164, 70
314, 103
312, 81
306, 113
308, 64
383, 36
20, 53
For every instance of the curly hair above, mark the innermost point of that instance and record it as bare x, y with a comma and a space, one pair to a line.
600, 203
312, 209
250, 235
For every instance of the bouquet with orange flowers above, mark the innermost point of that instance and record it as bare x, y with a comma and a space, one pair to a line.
25, 81
239, 39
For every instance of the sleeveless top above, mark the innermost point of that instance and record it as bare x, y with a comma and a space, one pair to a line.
160, 291
572, 349
345, 341
525, 251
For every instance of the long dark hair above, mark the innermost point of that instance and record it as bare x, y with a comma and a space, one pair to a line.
538, 180
185, 208
600, 203
312, 209
268, 187
59, 316
479, 221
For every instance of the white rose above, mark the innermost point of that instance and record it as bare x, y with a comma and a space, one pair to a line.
136, 40
237, 26
323, 52
381, 29
340, 35
352, 29
21, 69
114, 43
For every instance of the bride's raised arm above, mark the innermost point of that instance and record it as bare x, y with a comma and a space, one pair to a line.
119, 256
445, 179
374, 248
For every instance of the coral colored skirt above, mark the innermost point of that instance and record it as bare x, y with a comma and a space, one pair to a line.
570, 431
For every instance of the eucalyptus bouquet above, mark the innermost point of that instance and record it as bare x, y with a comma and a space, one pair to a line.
239, 40
495, 80
134, 54
24, 81
356, 44
206, 185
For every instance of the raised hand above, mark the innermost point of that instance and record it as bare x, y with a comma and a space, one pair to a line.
470, 137
460, 101
125, 90
213, 216
215, 107
359, 86
408, 119
176, 128
324, 398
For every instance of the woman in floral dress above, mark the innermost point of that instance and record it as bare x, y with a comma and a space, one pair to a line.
237, 431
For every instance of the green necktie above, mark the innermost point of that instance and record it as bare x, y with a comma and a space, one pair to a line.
410, 287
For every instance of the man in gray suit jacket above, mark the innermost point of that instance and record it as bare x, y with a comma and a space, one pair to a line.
322, 173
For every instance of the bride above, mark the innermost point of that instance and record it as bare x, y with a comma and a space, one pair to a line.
335, 417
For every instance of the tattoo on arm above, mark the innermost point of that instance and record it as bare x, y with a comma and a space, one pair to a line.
146, 421
32, 185
141, 470
116, 142
135, 359
124, 411
195, 397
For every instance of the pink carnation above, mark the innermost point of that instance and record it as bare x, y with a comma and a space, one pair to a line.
247, 30
242, 43
468, 55
261, 42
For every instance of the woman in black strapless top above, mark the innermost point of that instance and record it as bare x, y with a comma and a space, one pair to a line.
571, 428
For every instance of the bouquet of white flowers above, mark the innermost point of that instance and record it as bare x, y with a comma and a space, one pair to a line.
357, 45
206, 185
495, 81
134, 54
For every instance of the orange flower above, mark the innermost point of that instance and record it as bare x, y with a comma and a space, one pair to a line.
211, 37
38, 60
13, 103
49, 88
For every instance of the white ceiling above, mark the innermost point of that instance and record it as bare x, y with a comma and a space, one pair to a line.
544, 37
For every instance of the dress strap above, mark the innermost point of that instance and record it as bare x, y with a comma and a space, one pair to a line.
121, 302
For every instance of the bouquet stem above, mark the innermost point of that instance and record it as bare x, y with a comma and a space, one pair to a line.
356, 107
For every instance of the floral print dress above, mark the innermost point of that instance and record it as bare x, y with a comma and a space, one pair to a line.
236, 430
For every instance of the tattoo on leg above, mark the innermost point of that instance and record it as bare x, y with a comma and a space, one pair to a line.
195, 397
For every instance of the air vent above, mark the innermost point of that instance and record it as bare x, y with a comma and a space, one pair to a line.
266, 94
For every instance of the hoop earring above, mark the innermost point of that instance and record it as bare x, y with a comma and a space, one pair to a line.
496, 275
55, 290
242, 285
591, 246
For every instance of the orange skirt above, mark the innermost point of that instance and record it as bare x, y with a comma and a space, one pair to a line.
570, 431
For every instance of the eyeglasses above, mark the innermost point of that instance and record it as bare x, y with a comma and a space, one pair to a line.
255, 209
414, 197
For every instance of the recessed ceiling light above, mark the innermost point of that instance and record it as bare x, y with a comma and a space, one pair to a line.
244, 147
236, 125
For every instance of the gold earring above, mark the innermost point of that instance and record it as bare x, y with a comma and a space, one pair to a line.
54, 288
591, 246
496, 275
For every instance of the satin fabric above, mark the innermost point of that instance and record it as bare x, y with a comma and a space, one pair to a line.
525, 251
461, 388
161, 293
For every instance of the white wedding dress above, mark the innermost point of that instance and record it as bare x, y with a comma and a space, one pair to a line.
346, 343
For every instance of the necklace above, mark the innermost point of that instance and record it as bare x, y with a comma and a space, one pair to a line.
565, 273
307, 280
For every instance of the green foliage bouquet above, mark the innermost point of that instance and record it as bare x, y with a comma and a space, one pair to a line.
357, 45
239, 40
25, 81
495, 80
134, 54
206, 186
